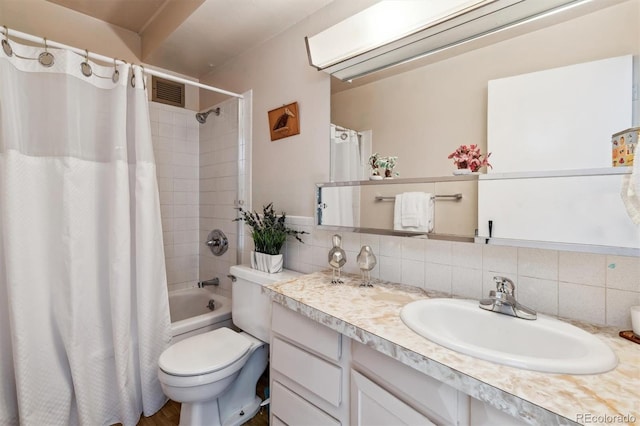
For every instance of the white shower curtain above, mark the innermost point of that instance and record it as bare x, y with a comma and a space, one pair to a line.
346, 160
83, 298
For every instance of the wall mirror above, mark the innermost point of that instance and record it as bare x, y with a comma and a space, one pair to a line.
421, 111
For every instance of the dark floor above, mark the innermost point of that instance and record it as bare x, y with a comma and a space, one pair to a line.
169, 415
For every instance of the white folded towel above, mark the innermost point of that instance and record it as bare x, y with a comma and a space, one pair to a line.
413, 211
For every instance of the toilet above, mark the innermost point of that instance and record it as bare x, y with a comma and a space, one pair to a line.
214, 374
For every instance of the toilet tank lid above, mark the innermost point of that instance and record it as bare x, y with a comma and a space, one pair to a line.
204, 353
245, 272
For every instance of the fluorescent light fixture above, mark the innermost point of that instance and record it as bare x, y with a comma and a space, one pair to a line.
396, 31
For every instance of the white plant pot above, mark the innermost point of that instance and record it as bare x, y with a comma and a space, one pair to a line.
267, 262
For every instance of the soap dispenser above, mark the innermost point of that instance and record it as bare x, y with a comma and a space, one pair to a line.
337, 259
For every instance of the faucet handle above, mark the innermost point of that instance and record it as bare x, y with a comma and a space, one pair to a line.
505, 285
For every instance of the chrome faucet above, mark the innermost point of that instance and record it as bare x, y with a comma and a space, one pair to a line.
213, 281
503, 300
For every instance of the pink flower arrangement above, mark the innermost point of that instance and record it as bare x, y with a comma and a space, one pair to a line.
469, 157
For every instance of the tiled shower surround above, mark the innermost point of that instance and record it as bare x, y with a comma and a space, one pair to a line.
197, 176
176, 148
197, 169
220, 162
589, 287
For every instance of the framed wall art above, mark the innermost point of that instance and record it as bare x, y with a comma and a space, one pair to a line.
284, 121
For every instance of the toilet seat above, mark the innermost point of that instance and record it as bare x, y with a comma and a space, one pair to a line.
205, 353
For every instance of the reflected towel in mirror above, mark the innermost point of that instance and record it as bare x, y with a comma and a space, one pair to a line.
414, 211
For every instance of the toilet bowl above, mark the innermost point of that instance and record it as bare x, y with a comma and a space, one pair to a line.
214, 374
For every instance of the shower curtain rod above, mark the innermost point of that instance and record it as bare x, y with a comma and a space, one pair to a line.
96, 56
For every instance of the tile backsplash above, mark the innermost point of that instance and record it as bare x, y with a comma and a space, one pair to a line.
595, 288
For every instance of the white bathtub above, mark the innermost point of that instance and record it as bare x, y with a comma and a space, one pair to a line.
190, 314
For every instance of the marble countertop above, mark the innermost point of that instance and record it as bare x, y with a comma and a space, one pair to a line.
372, 316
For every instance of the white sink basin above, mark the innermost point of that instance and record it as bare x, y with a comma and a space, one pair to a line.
545, 344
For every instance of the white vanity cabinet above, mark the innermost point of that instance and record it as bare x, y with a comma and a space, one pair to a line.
432, 402
320, 377
309, 371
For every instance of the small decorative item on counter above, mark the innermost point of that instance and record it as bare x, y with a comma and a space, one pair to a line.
337, 259
469, 158
623, 147
386, 164
366, 262
269, 233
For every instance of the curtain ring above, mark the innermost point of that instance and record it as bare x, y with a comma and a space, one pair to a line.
85, 67
46, 59
133, 76
116, 74
5, 43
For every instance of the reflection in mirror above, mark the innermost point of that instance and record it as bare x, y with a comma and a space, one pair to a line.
406, 206
423, 111
349, 150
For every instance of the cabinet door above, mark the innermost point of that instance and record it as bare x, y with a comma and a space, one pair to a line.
371, 405
290, 408
482, 414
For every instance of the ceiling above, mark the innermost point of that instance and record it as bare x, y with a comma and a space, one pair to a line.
192, 37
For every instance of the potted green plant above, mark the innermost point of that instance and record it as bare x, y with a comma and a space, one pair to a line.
269, 233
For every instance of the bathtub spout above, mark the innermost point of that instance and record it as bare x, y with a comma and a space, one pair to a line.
213, 281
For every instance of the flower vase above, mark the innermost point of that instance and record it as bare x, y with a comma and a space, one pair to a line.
271, 263
462, 172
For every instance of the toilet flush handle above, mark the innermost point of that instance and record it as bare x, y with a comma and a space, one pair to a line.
232, 278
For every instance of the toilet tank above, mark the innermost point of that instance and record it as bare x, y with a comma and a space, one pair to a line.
250, 308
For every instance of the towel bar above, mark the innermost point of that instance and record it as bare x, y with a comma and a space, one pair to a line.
455, 197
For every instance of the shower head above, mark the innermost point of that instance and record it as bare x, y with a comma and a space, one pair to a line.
202, 116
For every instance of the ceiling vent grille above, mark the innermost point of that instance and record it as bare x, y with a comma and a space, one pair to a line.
167, 92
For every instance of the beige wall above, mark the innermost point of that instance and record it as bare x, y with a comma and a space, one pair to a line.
43, 19
279, 73
424, 114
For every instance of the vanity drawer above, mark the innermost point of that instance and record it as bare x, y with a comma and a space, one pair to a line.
289, 408
306, 332
314, 374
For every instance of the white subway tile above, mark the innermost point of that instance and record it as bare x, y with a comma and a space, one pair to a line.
390, 246
623, 273
437, 251
618, 304
466, 255
538, 263
165, 130
582, 302
413, 272
499, 258
467, 282
538, 294
351, 242
390, 269
165, 116
413, 249
320, 256
582, 268
351, 266
438, 277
